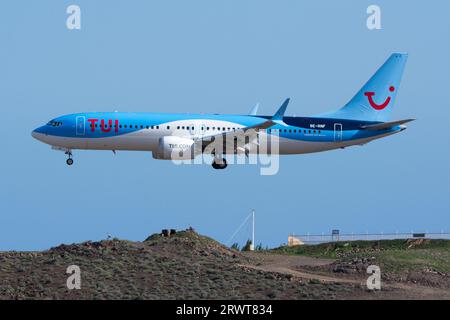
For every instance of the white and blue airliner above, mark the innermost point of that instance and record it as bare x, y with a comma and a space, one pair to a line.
363, 119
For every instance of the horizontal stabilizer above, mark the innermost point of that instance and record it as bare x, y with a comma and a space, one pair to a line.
385, 125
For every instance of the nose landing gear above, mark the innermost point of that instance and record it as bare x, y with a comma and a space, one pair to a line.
69, 161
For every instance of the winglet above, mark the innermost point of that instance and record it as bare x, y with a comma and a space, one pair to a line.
280, 113
254, 110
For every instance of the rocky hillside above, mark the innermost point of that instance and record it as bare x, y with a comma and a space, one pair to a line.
187, 266
183, 266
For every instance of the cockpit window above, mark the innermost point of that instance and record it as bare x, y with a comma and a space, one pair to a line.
54, 123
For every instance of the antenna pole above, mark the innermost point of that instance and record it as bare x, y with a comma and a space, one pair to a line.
252, 246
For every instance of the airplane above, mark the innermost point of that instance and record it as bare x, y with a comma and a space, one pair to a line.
184, 136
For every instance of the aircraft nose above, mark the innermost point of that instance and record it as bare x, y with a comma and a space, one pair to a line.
37, 133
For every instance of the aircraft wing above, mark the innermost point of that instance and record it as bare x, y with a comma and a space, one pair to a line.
277, 118
226, 140
385, 125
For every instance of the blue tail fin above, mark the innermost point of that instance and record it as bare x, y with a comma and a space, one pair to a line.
376, 99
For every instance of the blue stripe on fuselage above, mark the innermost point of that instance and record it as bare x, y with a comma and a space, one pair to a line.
351, 128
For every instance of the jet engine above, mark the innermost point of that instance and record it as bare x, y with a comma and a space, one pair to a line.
175, 148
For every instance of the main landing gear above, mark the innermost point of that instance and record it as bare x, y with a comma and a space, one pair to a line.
219, 163
69, 161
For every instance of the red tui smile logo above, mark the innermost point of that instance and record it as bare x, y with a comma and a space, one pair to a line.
376, 106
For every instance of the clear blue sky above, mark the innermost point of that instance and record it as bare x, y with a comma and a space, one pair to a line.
218, 57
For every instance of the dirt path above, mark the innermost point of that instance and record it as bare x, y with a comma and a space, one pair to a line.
289, 264
292, 264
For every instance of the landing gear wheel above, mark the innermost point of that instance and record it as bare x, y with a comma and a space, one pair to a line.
219, 164
69, 161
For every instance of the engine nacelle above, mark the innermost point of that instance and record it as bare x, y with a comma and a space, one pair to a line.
175, 148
